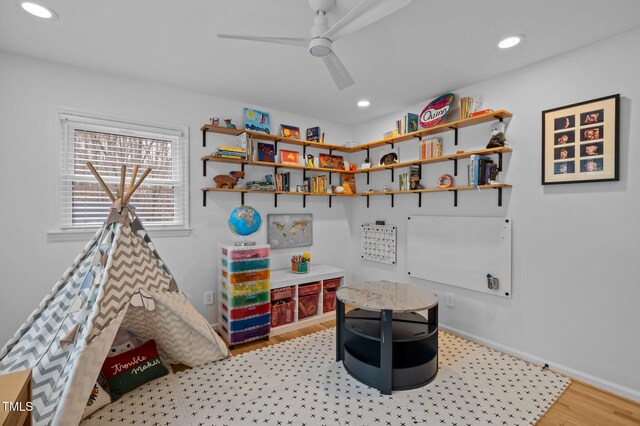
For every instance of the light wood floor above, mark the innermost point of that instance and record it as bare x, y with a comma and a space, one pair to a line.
580, 404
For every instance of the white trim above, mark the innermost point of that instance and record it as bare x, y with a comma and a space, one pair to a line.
562, 369
82, 235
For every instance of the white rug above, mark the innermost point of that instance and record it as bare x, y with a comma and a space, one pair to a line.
298, 382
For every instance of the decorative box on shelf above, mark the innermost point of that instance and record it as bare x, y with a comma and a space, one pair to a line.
299, 300
244, 308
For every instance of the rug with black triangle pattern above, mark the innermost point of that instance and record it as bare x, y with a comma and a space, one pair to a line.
298, 382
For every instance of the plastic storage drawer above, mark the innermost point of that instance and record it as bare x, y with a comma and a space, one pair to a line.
245, 300
332, 283
248, 254
249, 311
246, 265
307, 306
251, 322
307, 289
282, 293
248, 288
328, 301
282, 313
246, 335
246, 277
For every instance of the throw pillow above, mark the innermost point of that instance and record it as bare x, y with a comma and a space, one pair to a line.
97, 399
131, 369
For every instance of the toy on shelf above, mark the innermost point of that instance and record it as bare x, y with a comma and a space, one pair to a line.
228, 181
497, 136
229, 124
214, 121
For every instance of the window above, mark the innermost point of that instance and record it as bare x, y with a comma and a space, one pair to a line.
161, 201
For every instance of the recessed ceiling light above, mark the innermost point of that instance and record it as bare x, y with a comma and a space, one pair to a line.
38, 10
510, 41
363, 103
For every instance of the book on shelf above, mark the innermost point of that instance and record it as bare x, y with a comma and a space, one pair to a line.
404, 181
266, 152
468, 105
390, 134
476, 173
348, 183
411, 123
484, 170
414, 177
430, 148
481, 112
313, 134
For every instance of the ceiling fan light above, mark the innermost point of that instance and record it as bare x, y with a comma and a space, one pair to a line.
320, 47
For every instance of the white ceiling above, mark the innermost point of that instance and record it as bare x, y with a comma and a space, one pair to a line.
428, 48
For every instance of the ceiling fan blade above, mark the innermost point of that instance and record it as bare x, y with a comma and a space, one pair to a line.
365, 13
338, 72
291, 41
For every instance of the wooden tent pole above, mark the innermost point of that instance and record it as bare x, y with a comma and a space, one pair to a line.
100, 181
123, 175
135, 187
133, 177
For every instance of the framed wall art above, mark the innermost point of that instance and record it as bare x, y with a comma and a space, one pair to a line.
289, 230
580, 142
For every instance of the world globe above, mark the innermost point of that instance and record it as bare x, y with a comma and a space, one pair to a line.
245, 221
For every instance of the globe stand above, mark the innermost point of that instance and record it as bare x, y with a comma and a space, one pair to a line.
245, 243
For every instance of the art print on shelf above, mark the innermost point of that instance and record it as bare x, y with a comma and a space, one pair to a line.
289, 157
290, 131
257, 121
335, 162
266, 152
289, 230
580, 142
313, 134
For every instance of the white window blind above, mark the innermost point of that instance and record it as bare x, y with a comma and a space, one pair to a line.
161, 201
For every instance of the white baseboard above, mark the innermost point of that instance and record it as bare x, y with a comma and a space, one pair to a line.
567, 371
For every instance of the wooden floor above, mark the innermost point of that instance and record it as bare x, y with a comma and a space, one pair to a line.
580, 404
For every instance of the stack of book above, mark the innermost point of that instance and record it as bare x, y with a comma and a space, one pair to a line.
260, 186
407, 124
430, 148
468, 105
317, 184
481, 170
232, 152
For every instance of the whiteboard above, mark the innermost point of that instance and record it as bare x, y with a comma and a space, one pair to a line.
461, 251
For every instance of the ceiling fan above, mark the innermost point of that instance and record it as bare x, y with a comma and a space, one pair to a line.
320, 44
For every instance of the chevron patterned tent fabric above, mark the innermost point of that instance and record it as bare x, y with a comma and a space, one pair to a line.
66, 339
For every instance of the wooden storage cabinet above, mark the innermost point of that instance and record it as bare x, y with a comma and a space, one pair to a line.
244, 308
299, 300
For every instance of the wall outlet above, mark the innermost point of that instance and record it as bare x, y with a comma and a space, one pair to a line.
208, 298
451, 301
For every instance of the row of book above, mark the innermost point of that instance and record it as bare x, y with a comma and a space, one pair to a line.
411, 180
316, 184
430, 148
468, 105
481, 170
407, 124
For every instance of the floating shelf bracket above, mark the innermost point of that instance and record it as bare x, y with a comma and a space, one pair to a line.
367, 201
204, 198
455, 135
392, 200
368, 156
204, 138
498, 118
304, 201
455, 166
388, 143
499, 161
330, 178
455, 197
499, 197
204, 168
242, 198
392, 174
330, 151
330, 197
275, 200
419, 199
367, 178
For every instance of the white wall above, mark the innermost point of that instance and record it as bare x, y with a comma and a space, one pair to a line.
576, 274
30, 265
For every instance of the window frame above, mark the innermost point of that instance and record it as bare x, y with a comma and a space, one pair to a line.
67, 120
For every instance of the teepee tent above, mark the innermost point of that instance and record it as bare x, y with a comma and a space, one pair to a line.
118, 280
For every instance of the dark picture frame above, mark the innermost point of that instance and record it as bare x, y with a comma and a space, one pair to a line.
581, 142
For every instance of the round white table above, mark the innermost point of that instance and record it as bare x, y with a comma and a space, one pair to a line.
383, 342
